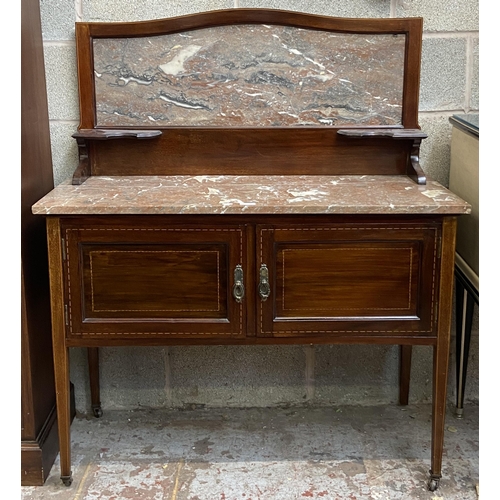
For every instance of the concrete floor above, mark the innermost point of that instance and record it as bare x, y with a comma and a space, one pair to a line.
352, 453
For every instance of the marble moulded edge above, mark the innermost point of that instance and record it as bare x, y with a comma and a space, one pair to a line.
223, 194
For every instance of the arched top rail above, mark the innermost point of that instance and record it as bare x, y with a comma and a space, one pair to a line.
215, 18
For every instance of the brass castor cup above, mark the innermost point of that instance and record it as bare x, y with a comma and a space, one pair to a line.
97, 410
433, 483
67, 480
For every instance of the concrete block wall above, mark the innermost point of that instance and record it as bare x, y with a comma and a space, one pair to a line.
276, 375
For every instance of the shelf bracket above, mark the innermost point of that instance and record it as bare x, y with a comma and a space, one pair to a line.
413, 168
85, 136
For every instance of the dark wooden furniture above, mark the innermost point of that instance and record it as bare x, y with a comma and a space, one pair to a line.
464, 181
39, 439
39, 445
251, 177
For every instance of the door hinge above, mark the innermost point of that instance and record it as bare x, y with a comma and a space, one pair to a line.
63, 246
66, 315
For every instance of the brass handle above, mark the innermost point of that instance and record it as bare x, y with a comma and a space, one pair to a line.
239, 287
264, 287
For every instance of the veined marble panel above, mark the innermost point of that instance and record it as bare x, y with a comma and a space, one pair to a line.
259, 194
249, 75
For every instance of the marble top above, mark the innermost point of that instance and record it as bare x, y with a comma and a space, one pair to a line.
468, 122
223, 194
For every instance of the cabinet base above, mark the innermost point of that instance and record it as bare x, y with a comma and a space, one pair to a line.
38, 456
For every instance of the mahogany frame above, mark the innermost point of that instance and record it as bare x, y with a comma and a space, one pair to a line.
400, 144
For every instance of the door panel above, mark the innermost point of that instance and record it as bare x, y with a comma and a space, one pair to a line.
158, 281
377, 279
174, 281
326, 280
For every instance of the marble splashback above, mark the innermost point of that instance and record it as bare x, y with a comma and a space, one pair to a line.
249, 75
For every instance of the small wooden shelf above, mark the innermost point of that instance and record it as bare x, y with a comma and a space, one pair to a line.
104, 134
394, 133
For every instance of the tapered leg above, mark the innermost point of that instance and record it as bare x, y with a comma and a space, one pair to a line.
61, 372
95, 396
442, 350
464, 314
405, 352
60, 350
440, 377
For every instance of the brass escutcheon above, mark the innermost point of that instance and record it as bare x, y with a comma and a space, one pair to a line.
239, 287
264, 287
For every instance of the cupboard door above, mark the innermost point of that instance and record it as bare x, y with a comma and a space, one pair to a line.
371, 279
149, 281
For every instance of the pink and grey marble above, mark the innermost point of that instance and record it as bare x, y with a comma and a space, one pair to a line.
249, 75
204, 194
